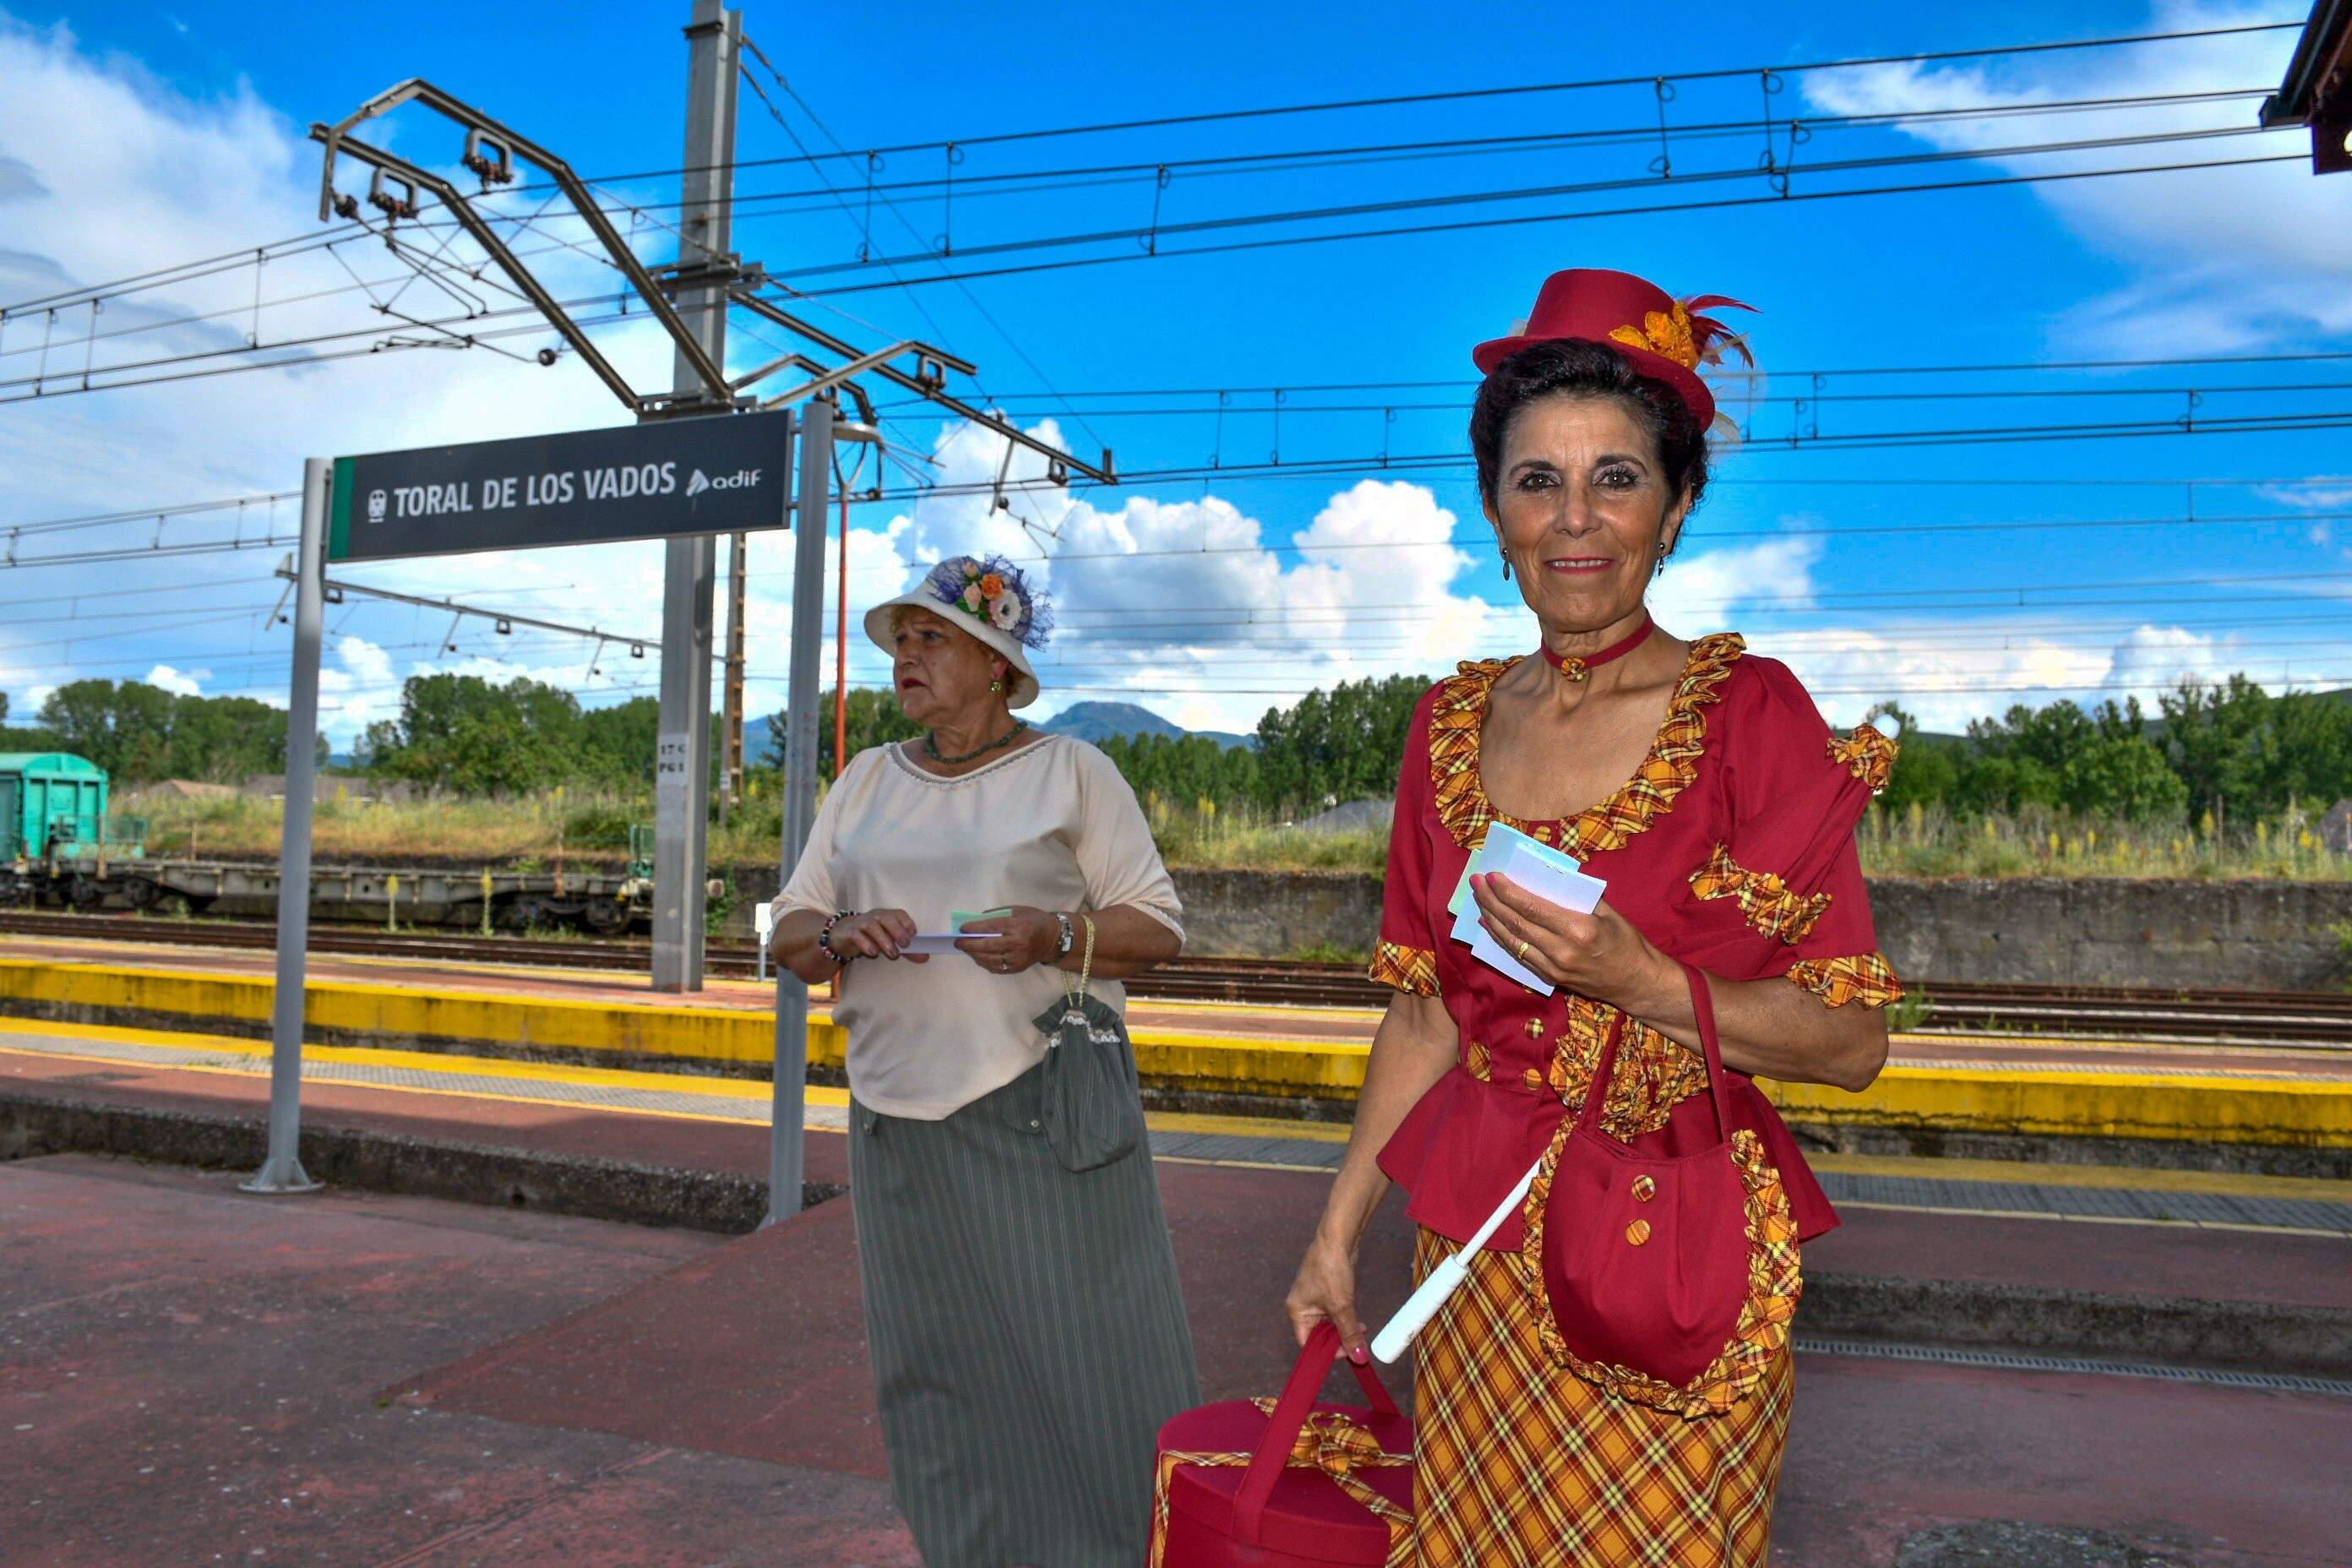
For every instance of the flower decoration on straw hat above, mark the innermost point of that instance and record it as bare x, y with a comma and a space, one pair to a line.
995, 592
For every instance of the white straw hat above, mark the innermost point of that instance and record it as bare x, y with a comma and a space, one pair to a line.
1014, 620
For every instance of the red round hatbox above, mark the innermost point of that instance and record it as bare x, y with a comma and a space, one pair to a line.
1288, 1482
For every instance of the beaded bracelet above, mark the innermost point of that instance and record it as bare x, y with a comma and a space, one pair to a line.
824, 939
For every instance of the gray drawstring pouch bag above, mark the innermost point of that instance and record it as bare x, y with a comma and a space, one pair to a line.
1092, 1100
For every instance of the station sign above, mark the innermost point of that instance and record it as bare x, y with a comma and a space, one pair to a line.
718, 474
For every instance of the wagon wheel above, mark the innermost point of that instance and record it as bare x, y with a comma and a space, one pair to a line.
84, 892
140, 893
605, 916
524, 913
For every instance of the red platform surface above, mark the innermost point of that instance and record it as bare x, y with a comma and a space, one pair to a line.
190, 1374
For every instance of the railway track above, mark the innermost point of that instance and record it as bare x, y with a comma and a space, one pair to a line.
2319, 1019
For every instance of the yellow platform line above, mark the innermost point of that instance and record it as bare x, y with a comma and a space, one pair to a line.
2008, 1100
255, 1063
251, 1058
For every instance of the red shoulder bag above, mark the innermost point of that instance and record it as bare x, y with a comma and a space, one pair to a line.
1645, 1259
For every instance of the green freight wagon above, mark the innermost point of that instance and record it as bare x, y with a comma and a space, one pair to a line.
51, 802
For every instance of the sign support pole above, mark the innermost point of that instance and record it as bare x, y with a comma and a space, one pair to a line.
281, 1170
682, 763
788, 1102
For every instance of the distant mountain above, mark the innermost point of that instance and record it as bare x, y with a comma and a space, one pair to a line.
1090, 721
1100, 721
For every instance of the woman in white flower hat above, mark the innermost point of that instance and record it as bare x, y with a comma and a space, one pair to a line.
1027, 1334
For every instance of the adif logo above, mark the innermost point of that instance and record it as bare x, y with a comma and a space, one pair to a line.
741, 480
377, 501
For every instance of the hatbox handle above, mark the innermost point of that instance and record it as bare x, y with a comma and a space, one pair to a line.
1290, 1413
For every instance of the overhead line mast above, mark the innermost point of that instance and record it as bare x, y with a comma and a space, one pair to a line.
690, 300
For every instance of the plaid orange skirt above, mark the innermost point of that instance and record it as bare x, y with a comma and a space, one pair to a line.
1522, 1464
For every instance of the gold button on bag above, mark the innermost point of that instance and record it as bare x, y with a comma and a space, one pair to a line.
1638, 1232
1645, 1189
1534, 1028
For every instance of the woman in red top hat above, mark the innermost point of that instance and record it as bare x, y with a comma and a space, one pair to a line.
1703, 786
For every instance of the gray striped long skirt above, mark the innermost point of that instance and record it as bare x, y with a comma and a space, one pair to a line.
1027, 1333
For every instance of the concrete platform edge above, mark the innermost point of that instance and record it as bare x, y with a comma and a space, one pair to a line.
32, 1125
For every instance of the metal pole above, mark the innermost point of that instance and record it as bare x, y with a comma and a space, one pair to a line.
731, 756
800, 794
281, 1169
682, 765
841, 650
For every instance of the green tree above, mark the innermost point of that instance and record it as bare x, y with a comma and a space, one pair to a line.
1184, 769
1926, 772
462, 734
2125, 776
2239, 749
80, 714
137, 732
1343, 744
617, 744
874, 719
225, 738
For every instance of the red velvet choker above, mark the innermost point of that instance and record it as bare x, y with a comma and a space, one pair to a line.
1578, 669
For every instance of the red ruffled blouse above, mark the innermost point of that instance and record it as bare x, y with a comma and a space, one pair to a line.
1732, 847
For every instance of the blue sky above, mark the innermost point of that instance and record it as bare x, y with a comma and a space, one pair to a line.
144, 136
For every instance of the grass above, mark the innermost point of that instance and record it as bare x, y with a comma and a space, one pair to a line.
1926, 842
1208, 838
585, 827
500, 832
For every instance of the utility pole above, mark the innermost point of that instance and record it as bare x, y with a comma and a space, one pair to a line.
682, 768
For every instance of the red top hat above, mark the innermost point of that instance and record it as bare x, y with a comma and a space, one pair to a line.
1664, 337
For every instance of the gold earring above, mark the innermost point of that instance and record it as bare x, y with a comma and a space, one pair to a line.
996, 686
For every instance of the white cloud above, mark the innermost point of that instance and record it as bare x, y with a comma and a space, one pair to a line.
2151, 659
1187, 606
1191, 607
104, 171
189, 684
2225, 258
1710, 587
2320, 495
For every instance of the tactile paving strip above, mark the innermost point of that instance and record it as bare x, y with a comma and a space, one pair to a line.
2017, 1361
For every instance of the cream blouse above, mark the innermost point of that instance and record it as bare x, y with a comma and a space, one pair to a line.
1053, 826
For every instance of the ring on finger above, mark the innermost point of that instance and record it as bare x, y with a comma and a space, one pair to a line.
1524, 942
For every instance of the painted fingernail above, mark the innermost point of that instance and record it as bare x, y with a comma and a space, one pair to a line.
1358, 1357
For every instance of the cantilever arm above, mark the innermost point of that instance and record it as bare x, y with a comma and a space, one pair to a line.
1058, 463
335, 139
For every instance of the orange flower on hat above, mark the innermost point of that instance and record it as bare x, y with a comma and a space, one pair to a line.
1666, 334
990, 585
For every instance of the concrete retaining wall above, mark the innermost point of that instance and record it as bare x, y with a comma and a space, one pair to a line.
2106, 931
2117, 930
